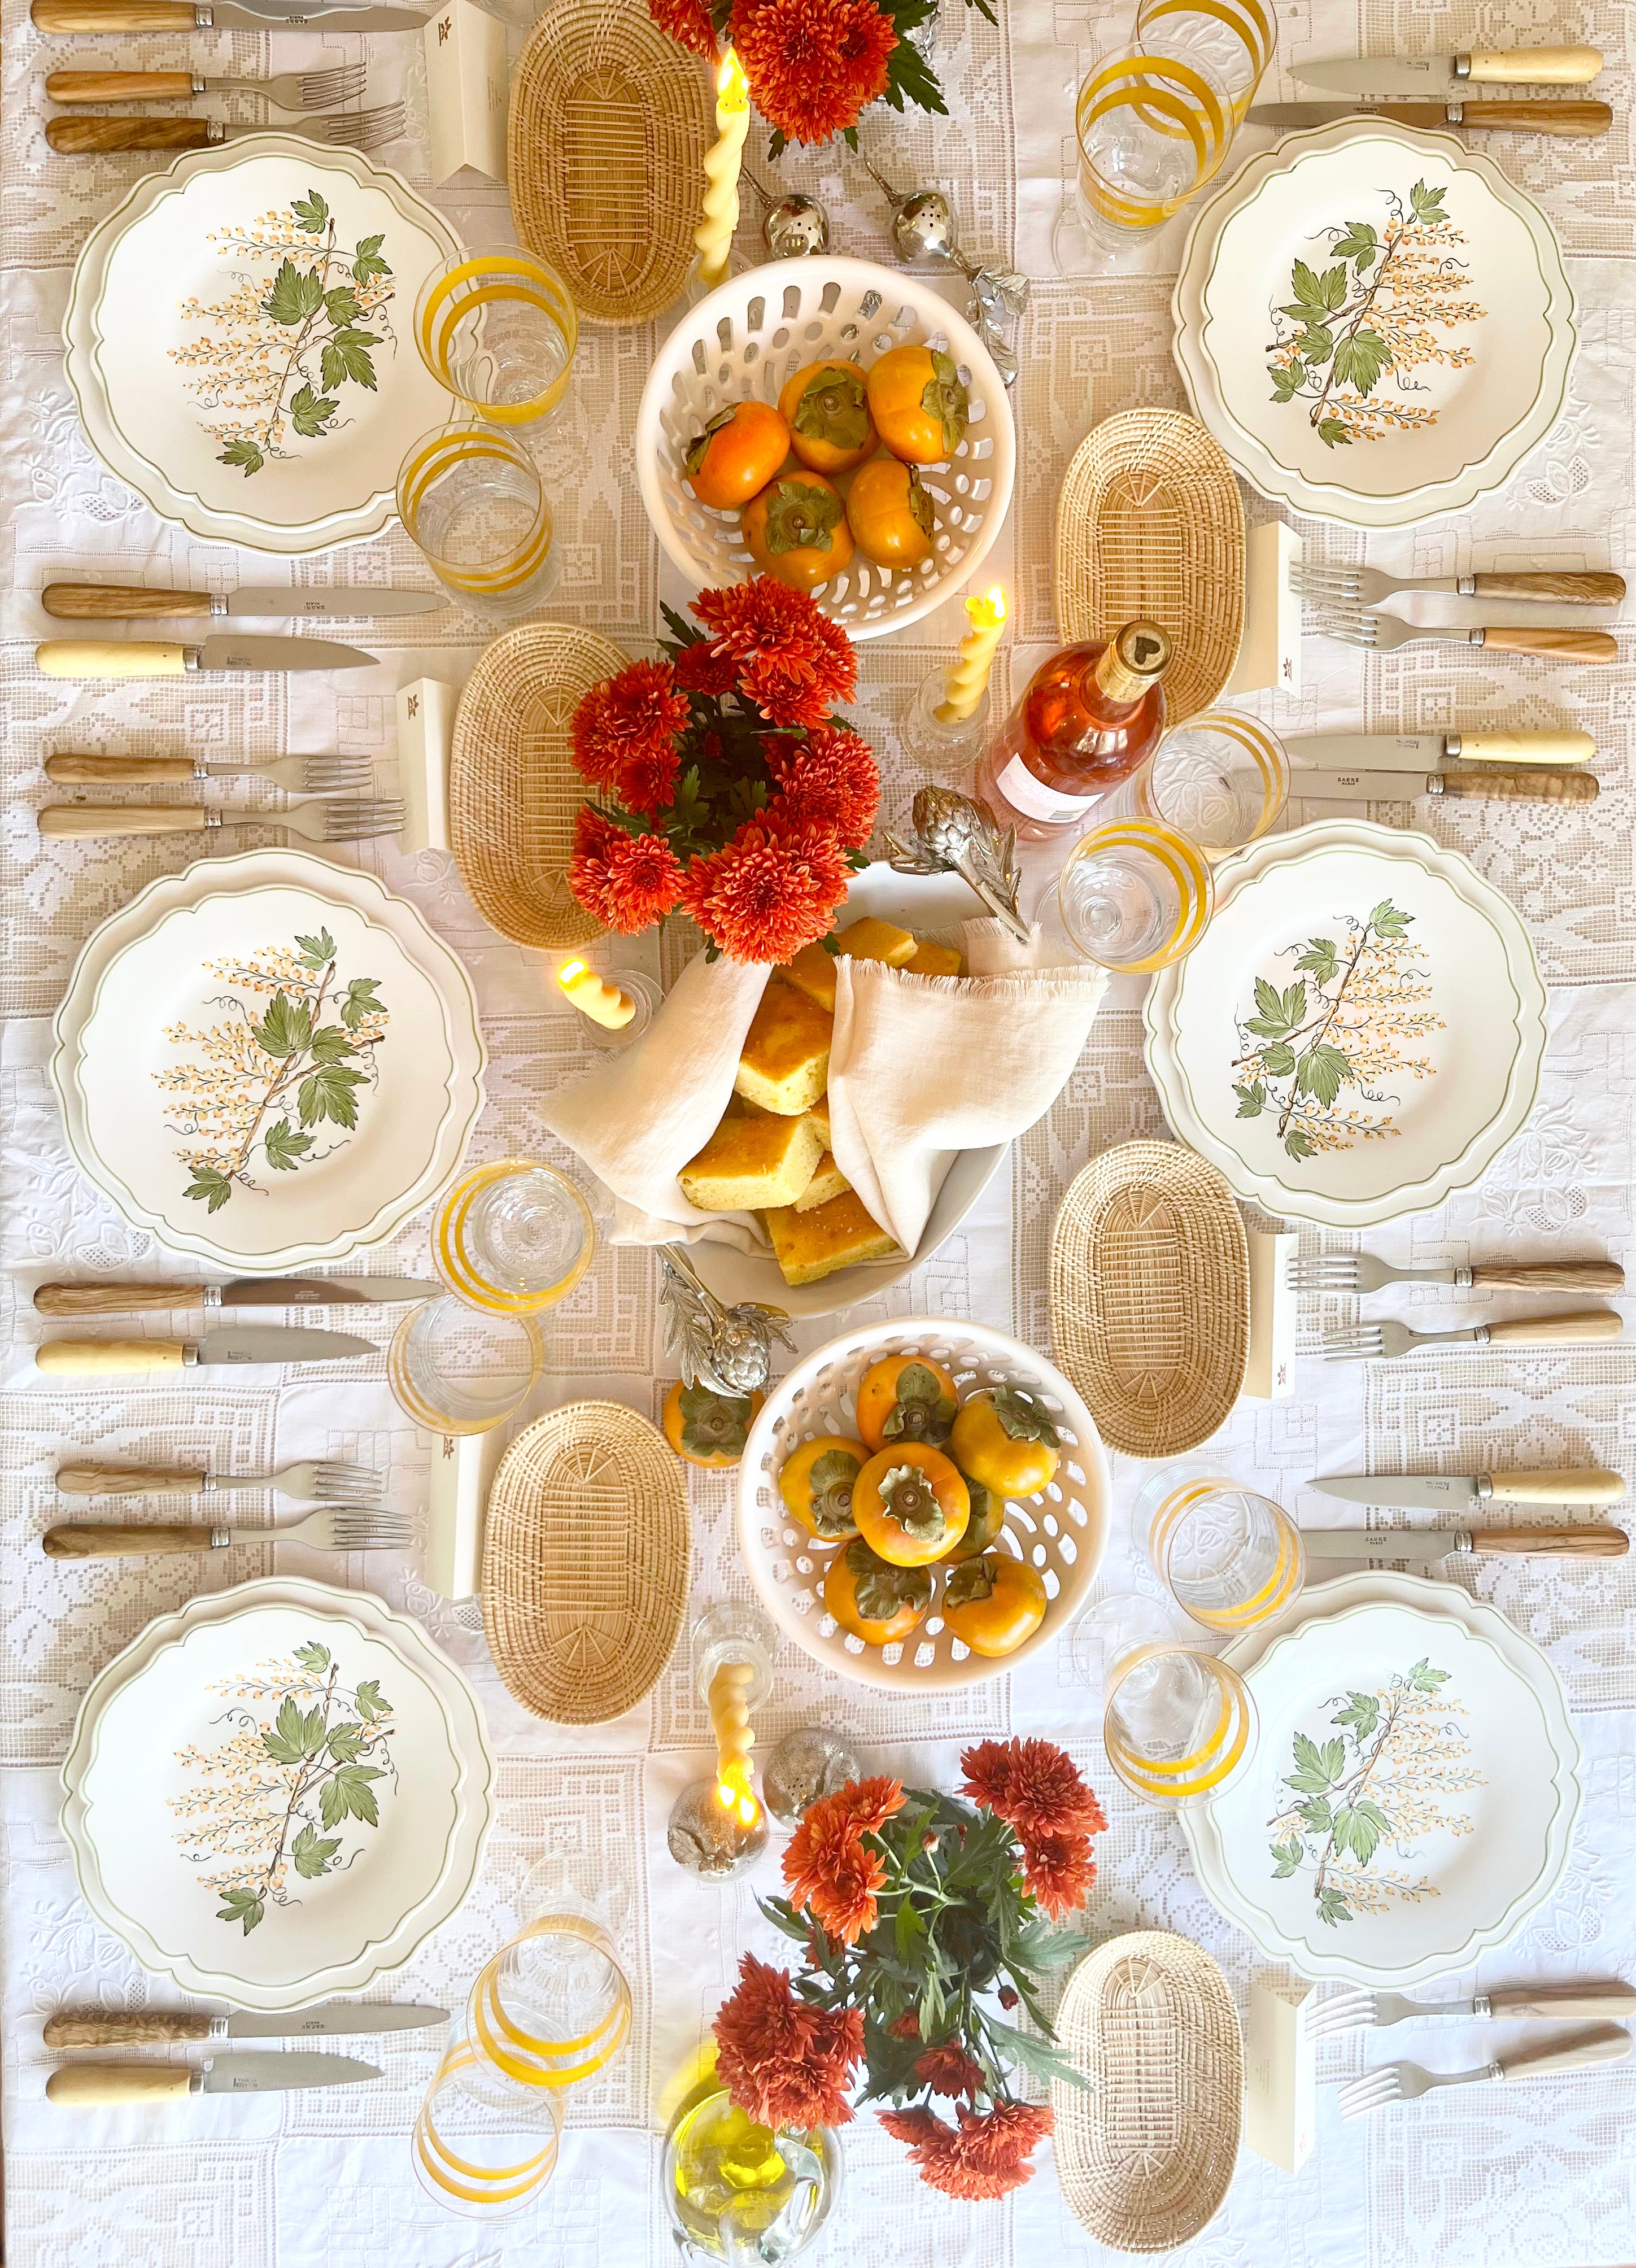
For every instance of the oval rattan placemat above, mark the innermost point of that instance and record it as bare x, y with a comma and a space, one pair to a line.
608, 125
1150, 1297
1145, 2154
1149, 522
514, 791
586, 1558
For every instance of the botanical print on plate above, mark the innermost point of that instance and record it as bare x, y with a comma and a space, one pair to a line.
276, 1072
1374, 1791
279, 352
1344, 1027
1351, 341
292, 1787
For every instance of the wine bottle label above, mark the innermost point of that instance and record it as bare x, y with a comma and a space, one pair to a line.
1035, 800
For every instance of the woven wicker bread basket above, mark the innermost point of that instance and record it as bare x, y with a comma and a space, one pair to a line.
1150, 1297
514, 791
608, 127
586, 1560
1149, 522
1146, 2152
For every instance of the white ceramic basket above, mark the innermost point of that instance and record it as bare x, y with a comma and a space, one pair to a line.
744, 342
1062, 1531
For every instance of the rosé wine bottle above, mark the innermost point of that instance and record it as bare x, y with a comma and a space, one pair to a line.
1090, 717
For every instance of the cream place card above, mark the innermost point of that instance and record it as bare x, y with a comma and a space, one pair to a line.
425, 738
1269, 1369
1280, 2095
1270, 653
466, 82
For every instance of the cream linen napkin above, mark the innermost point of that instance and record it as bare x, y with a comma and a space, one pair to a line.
925, 1067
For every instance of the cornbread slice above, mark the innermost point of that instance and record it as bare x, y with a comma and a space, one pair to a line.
820, 1115
748, 1162
877, 941
813, 972
935, 961
838, 1234
784, 1063
828, 1182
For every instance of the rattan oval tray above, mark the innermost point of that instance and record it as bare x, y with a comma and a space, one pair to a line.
609, 122
1149, 522
1145, 2153
1150, 1297
585, 1563
513, 787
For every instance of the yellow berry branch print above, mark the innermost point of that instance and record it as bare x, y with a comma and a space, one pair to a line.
269, 1076
1349, 343
1348, 1022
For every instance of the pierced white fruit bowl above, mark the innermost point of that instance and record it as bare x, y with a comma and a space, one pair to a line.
1061, 1532
745, 342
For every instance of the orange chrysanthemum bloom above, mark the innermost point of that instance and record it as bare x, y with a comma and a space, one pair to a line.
948, 2069
625, 881
793, 663
1059, 1870
689, 24
813, 65
987, 2156
769, 892
1034, 1786
868, 1803
829, 780
629, 719
784, 2062
830, 1871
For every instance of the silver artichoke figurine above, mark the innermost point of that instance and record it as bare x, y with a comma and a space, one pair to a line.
729, 1350
923, 228
955, 835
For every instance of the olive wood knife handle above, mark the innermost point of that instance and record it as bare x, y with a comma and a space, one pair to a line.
1554, 1542
1573, 588
114, 87
107, 1358
110, 2028
1549, 1275
1577, 121
1553, 645
1532, 66
116, 16
88, 1540
128, 1480
1608, 2043
78, 823
116, 1299
1521, 786
1548, 1486
107, 2083
90, 137
120, 602
1582, 1329
1550, 2003
117, 772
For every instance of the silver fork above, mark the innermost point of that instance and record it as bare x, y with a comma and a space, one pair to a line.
82, 134
1364, 1342
371, 1528
317, 774
293, 91
315, 1480
1360, 1272
1406, 2083
1366, 586
1381, 633
1353, 2011
318, 820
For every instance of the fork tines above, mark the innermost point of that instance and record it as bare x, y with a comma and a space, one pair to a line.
1355, 1346
1346, 2012
365, 1531
350, 822
1336, 582
335, 775
321, 88
1324, 1271
334, 1483
1350, 624
1382, 2086
364, 129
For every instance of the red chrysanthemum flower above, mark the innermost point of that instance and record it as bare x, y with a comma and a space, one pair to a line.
702, 667
906, 2026
868, 1803
628, 719
793, 663
987, 2155
646, 783
830, 1872
812, 65
769, 892
687, 23
1033, 1785
948, 2069
784, 2062
1059, 1870
625, 881
830, 779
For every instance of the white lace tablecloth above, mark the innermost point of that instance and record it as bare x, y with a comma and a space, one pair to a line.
1478, 2179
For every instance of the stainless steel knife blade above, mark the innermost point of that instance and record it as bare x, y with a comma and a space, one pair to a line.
329, 605
81, 2086
1449, 76
1426, 752
281, 2074
1421, 1551
315, 1291
278, 1343
330, 2020
130, 2028
1419, 1491
280, 653
291, 12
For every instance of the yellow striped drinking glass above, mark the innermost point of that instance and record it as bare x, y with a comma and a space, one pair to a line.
1220, 779
553, 2007
513, 1237
1228, 1556
1152, 129
1134, 896
497, 327
1234, 38
1179, 1726
483, 2145
470, 497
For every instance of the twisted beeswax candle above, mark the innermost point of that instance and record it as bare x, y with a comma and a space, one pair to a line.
730, 1722
712, 239
963, 688
604, 1004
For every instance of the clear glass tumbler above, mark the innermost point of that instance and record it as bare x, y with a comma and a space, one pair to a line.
455, 1370
1220, 779
1132, 896
471, 498
1179, 1726
499, 328
553, 2007
483, 2145
513, 1237
1235, 38
1152, 130
1229, 1556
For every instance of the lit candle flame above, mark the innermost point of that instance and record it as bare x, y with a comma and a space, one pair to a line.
732, 88
569, 971
732, 1793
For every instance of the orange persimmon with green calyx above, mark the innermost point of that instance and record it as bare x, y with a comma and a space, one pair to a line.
1004, 1438
988, 1517
797, 531
890, 514
736, 455
904, 1397
874, 1600
911, 1504
993, 1603
920, 408
826, 407
816, 1482
708, 1428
